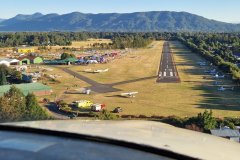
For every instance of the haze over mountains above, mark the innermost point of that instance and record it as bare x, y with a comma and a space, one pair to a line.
156, 21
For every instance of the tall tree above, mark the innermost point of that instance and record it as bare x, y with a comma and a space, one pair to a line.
12, 105
65, 55
3, 79
204, 120
33, 110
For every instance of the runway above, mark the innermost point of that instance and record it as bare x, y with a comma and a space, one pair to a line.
167, 70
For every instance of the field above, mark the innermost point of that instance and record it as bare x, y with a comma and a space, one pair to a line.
84, 44
58, 49
137, 71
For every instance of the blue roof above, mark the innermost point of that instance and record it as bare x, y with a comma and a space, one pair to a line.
225, 132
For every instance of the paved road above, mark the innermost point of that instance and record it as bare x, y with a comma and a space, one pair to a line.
167, 69
95, 86
52, 107
99, 87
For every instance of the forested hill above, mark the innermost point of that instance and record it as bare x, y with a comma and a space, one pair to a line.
126, 22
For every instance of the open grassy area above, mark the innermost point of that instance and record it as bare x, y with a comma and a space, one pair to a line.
136, 71
84, 44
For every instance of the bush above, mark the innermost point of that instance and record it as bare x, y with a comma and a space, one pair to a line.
142, 116
106, 115
203, 120
175, 121
194, 127
66, 108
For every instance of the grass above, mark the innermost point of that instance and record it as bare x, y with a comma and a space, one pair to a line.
193, 95
84, 44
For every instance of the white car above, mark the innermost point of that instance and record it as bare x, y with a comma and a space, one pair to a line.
97, 107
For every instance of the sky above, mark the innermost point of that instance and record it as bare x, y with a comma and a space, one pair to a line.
222, 10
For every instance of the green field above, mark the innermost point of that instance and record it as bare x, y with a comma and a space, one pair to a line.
191, 96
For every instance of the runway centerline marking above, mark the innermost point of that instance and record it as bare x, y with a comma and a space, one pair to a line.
167, 69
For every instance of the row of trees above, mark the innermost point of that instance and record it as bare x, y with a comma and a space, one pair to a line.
66, 38
14, 106
130, 42
216, 48
203, 122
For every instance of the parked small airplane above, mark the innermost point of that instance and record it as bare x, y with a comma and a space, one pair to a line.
79, 91
217, 83
202, 63
129, 94
96, 71
224, 88
217, 76
101, 70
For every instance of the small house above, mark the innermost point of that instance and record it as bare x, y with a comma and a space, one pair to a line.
35, 60
24, 61
68, 61
233, 135
30, 60
8, 62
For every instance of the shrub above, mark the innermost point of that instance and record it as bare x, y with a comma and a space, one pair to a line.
106, 115
175, 121
194, 127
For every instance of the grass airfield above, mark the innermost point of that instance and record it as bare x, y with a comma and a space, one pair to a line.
137, 71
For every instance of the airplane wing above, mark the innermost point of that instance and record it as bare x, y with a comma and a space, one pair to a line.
133, 92
124, 94
129, 94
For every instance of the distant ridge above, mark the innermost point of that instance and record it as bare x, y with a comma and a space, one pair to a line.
1, 20
155, 21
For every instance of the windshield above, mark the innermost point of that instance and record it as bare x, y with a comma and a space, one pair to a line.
152, 60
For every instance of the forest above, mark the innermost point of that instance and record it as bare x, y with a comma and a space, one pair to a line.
120, 39
217, 48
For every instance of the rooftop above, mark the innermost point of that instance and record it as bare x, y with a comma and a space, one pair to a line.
225, 133
25, 88
9, 60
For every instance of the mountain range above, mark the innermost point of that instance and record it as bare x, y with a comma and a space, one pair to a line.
1, 20
155, 21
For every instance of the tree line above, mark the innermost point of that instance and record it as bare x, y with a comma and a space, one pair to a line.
203, 122
66, 38
217, 48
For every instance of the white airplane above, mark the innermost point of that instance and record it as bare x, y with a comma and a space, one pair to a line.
202, 63
96, 71
218, 76
79, 91
129, 94
217, 83
100, 70
224, 89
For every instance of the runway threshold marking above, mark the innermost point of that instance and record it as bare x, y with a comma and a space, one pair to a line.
164, 74
167, 69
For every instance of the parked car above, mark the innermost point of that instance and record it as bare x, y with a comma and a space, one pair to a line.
117, 110
97, 107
